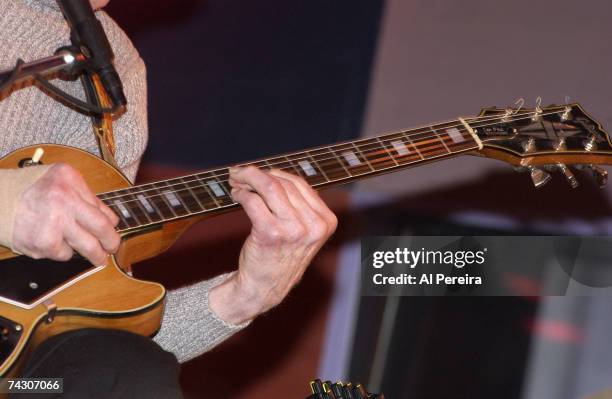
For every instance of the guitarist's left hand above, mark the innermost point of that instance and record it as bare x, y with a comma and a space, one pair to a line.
290, 224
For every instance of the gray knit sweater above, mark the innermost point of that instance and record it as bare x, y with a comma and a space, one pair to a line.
31, 29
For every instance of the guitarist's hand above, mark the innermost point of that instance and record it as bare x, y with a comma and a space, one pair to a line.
290, 224
58, 214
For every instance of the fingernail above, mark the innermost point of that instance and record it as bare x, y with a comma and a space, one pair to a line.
234, 169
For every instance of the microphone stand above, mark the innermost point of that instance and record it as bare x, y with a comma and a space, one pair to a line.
65, 60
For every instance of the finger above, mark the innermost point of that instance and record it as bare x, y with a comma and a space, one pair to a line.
85, 244
309, 194
62, 252
88, 196
255, 208
270, 190
112, 216
303, 209
97, 224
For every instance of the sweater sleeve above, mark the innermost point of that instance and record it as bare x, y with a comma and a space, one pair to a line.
189, 327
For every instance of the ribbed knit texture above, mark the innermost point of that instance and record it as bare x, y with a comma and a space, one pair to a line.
32, 29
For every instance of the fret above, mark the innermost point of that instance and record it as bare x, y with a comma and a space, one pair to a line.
308, 169
363, 156
212, 196
353, 161
155, 197
219, 187
410, 142
203, 201
376, 154
440, 139
169, 194
122, 211
457, 137
263, 164
316, 166
403, 151
282, 163
147, 206
329, 163
185, 195
429, 145
132, 204
387, 151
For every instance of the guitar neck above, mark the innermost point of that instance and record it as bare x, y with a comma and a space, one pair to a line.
209, 191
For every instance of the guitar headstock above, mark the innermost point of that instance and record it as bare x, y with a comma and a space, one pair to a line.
545, 139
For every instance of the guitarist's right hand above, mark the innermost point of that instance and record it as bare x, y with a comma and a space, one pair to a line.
58, 214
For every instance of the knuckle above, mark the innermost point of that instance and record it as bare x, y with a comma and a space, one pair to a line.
318, 230
63, 254
273, 186
89, 247
296, 232
63, 169
274, 234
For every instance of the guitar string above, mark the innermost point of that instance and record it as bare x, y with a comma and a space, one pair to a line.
289, 161
216, 205
225, 193
384, 137
191, 204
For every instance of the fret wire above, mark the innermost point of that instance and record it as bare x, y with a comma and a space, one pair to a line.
118, 213
204, 198
165, 200
415, 147
441, 140
193, 194
212, 195
309, 155
339, 160
292, 165
140, 207
154, 205
188, 197
387, 150
268, 164
363, 156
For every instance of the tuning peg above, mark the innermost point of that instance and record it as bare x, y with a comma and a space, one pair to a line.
571, 179
528, 145
538, 176
600, 175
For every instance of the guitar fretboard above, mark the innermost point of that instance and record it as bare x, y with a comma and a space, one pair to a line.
209, 191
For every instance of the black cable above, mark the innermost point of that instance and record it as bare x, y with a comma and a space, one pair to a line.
82, 106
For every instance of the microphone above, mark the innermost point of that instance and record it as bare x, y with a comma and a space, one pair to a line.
88, 35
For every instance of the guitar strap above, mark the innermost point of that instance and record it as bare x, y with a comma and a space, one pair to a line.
102, 123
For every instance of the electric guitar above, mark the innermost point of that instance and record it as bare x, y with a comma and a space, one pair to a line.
42, 298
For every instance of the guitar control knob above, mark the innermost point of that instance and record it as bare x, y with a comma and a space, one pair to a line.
538, 176
600, 175
571, 179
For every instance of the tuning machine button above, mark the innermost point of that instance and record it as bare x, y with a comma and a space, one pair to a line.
571, 179
560, 144
590, 144
538, 176
528, 145
600, 175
